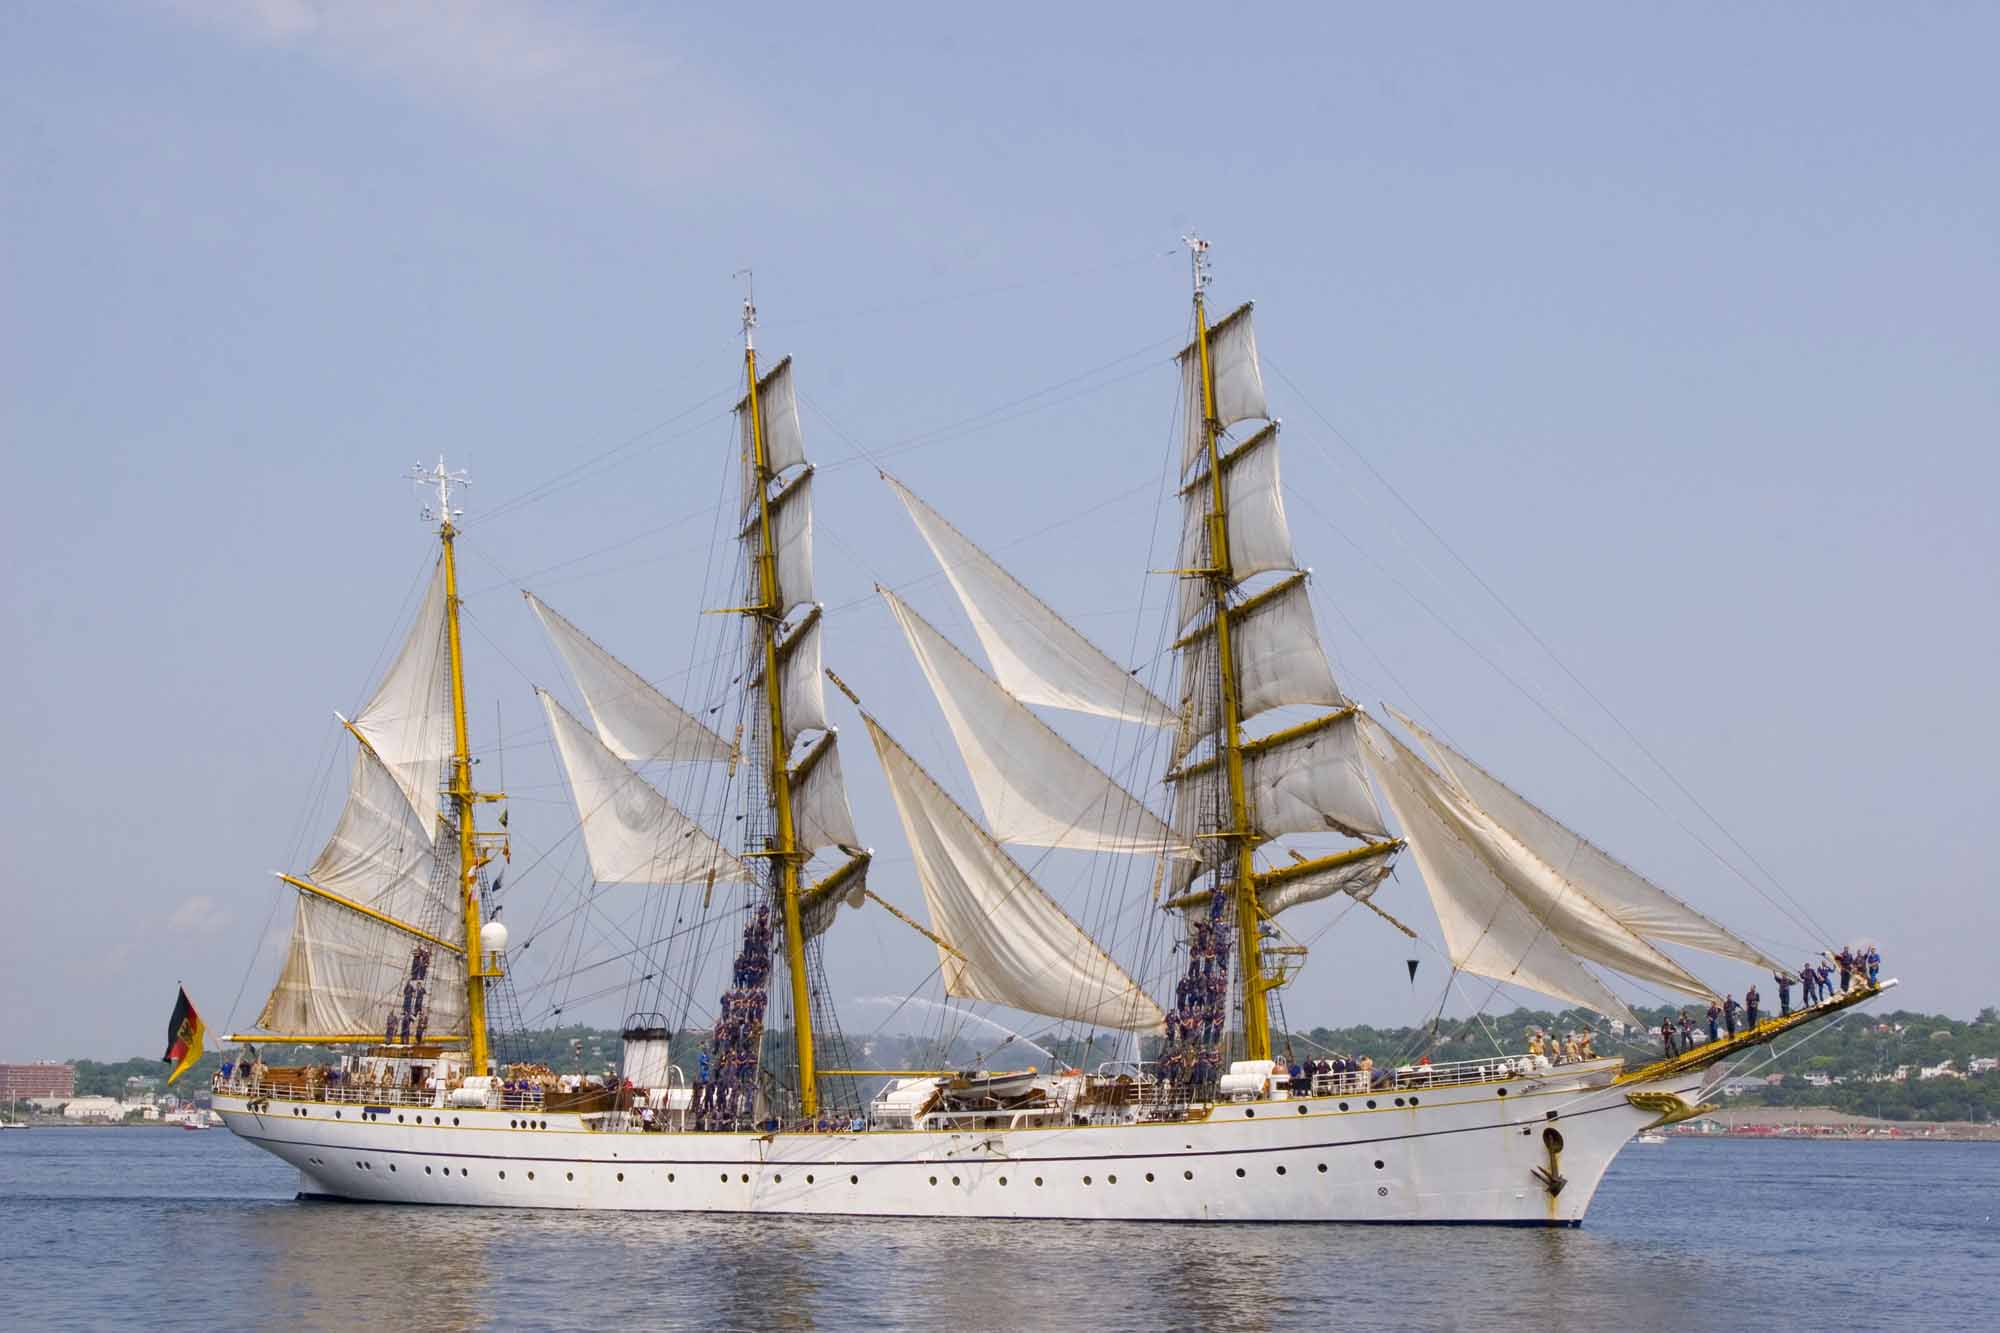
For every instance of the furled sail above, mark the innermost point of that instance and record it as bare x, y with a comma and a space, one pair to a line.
1638, 904
1239, 380
632, 834
1276, 647
1304, 779
1355, 873
821, 816
791, 531
1033, 785
1506, 913
778, 409
408, 722
1035, 653
376, 894
1014, 945
635, 721
1260, 538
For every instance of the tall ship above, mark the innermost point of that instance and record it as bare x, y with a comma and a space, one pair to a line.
733, 808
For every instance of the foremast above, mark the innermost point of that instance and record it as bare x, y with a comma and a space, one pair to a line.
1239, 838
767, 616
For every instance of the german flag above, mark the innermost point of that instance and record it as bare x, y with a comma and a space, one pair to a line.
184, 1032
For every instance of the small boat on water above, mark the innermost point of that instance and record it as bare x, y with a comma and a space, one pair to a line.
1651, 1136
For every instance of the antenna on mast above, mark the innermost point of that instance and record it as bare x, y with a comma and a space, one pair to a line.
444, 479
1198, 258
749, 305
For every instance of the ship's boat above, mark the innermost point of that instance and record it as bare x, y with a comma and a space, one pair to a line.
737, 807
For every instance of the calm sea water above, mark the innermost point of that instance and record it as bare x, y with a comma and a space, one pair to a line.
166, 1229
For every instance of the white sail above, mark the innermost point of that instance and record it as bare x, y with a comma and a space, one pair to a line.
791, 530
1305, 779
1014, 945
804, 687
1034, 787
1358, 877
1260, 538
345, 967
635, 721
1279, 660
408, 721
1638, 904
1239, 379
1500, 902
1035, 653
631, 833
778, 414
821, 816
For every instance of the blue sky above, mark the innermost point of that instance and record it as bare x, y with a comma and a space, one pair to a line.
1677, 327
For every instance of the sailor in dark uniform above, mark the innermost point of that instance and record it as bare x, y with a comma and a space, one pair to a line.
1784, 993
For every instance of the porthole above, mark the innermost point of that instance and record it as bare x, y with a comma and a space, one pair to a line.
1413, 1101
1378, 1164
503, 1175
809, 1179
725, 1177
392, 1166
1111, 1180
933, 1180
746, 1177
427, 1170
777, 1180
454, 1119
1501, 1093
1399, 1101
1239, 1171
439, 1120
399, 1117
1249, 1115
1149, 1177
571, 1175
854, 1180
1371, 1105
1086, 1180
1343, 1106
512, 1125
621, 1177
531, 1175
1322, 1168
1038, 1180
954, 1180
1003, 1180
1382, 1190
1187, 1175
1281, 1170
336, 1116
464, 1171
1302, 1110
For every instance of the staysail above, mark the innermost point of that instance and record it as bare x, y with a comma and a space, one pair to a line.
1035, 654
635, 721
631, 833
1010, 943
1035, 788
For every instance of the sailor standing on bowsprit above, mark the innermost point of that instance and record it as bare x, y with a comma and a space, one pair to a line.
1784, 993
1729, 1010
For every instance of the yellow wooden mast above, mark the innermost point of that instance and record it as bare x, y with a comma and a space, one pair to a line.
1239, 838
478, 969
766, 615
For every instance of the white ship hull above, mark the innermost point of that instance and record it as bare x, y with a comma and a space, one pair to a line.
1465, 1154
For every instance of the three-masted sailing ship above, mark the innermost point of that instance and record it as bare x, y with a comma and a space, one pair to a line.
394, 952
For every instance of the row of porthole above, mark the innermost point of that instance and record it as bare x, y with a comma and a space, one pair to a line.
852, 1180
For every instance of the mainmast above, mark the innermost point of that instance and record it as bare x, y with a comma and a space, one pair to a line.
1239, 838
767, 615
477, 969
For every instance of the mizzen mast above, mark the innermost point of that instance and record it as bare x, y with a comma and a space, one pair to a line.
478, 967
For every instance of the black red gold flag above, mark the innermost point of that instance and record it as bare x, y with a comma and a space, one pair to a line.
184, 1032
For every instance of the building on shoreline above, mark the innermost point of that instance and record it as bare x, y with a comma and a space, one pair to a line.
43, 1078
